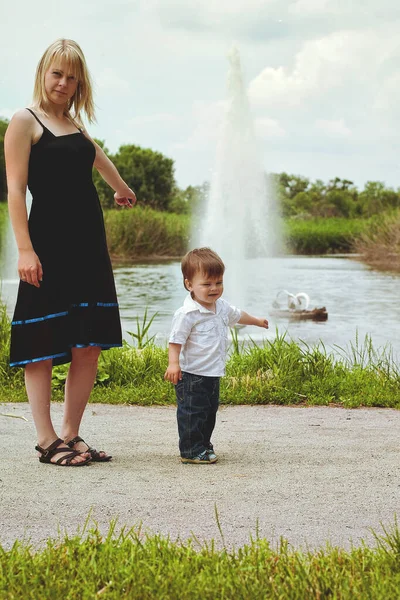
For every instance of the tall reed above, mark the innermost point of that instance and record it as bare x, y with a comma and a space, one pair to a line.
148, 233
379, 245
144, 232
323, 236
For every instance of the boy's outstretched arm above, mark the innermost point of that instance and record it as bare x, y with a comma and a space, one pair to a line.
173, 372
247, 319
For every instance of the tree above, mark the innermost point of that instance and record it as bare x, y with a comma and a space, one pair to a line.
150, 174
189, 200
293, 184
375, 198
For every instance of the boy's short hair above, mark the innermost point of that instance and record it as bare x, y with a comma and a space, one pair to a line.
201, 260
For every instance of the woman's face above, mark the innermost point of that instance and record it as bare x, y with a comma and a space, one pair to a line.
60, 84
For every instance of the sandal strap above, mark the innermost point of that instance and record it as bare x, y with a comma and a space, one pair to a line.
51, 448
72, 454
75, 440
95, 454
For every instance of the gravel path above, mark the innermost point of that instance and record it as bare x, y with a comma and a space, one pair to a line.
311, 475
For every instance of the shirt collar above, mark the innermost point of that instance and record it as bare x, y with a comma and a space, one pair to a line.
190, 305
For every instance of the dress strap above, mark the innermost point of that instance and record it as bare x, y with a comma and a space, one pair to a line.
37, 118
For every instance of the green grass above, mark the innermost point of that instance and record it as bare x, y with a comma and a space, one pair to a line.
130, 564
280, 372
3, 223
144, 232
380, 243
323, 236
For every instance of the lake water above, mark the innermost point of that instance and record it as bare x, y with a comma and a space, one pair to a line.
358, 299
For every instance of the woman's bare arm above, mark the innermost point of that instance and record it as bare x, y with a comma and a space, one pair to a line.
17, 148
123, 196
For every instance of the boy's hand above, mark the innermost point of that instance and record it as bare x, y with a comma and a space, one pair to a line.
173, 374
246, 319
263, 323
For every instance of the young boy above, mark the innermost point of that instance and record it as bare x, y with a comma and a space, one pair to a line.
197, 352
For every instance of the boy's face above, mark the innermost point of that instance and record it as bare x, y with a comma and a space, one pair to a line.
205, 290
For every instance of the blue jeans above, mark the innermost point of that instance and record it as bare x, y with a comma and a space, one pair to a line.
198, 399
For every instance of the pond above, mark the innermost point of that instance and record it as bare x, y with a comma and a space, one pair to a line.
358, 299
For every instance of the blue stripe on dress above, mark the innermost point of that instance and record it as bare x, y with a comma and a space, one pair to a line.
64, 313
51, 316
96, 344
107, 304
34, 360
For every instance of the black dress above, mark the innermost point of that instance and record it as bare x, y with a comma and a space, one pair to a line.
76, 303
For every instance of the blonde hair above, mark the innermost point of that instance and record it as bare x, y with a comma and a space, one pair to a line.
201, 260
82, 101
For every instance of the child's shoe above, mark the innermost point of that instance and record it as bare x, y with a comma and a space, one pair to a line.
210, 451
211, 454
201, 459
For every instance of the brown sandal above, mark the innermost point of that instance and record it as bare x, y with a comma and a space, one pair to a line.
48, 453
95, 454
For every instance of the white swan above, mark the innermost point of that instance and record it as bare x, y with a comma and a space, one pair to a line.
295, 302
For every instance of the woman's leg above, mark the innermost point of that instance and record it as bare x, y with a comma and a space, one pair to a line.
38, 389
79, 384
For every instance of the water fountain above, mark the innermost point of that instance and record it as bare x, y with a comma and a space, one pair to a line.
240, 219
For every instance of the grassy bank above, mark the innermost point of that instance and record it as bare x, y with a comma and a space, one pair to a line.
279, 372
323, 236
379, 245
132, 565
146, 233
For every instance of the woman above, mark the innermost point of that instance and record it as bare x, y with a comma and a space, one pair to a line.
66, 309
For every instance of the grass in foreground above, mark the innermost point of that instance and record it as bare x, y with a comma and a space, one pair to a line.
130, 564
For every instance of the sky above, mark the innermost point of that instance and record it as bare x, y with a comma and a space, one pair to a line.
322, 78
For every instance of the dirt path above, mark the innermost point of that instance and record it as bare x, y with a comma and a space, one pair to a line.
308, 474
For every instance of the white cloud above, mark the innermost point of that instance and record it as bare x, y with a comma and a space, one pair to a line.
109, 79
207, 119
268, 128
320, 65
305, 7
156, 119
333, 128
7, 113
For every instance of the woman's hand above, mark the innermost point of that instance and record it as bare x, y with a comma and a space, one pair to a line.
126, 198
30, 267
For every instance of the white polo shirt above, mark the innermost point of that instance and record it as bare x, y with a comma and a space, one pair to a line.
203, 335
